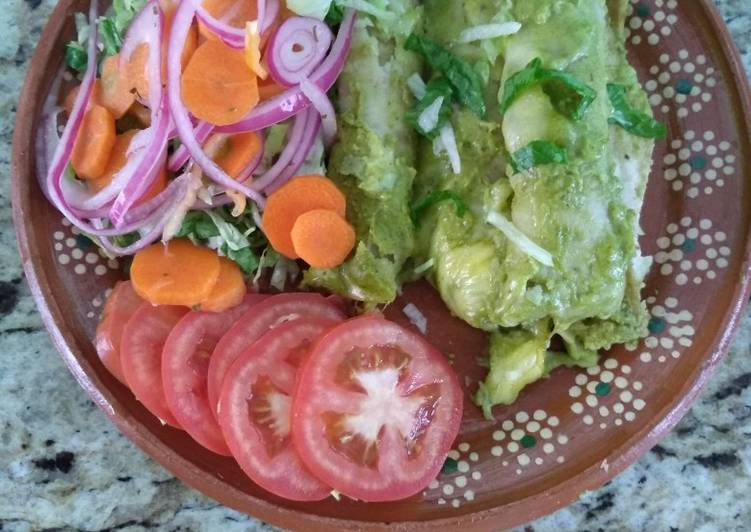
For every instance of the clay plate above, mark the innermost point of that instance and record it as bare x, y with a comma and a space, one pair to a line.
564, 435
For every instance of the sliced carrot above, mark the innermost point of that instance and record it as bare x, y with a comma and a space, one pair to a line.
138, 71
322, 238
298, 196
229, 289
94, 143
118, 158
217, 85
70, 98
117, 95
191, 41
233, 12
233, 153
176, 273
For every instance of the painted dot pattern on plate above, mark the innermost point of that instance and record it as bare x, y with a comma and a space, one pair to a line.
684, 83
699, 164
670, 331
75, 251
527, 440
650, 23
458, 479
692, 252
606, 394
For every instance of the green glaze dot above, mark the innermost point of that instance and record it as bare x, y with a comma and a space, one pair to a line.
698, 162
642, 10
684, 86
656, 325
83, 242
689, 245
450, 466
602, 389
528, 441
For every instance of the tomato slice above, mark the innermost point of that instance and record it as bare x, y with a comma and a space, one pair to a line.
252, 325
185, 367
255, 410
141, 354
120, 306
376, 410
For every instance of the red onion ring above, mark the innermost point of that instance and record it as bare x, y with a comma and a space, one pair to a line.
312, 126
180, 27
297, 48
292, 101
268, 10
147, 28
325, 108
292, 146
181, 155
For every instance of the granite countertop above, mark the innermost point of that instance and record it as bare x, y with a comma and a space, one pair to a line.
64, 466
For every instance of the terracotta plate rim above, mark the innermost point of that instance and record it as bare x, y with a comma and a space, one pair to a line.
512, 514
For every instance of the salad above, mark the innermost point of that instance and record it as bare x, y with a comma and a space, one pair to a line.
277, 171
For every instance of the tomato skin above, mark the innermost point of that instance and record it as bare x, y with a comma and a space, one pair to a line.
185, 367
141, 353
318, 393
260, 442
254, 323
120, 306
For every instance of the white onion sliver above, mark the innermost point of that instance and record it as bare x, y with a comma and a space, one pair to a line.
416, 317
519, 239
489, 31
448, 140
417, 86
325, 108
425, 266
428, 119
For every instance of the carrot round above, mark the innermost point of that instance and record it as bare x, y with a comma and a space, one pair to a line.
322, 238
191, 41
141, 114
268, 89
138, 71
176, 273
298, 196
217, 85
116, 87
70, 98
94, 143
242, 12
229, 290
234, 153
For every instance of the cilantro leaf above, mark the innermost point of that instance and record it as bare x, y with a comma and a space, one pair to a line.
245, 258
199, 225
633, 121
465, 80
76, 56
437, 196
570, 96
439, 87
536, 153
111, 38
335, 15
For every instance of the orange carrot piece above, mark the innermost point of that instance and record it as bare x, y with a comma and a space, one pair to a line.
176, 273
298, 196
229, 290
70, 98
94, 143
191, 41
118, 158
322, 238
117, 95
217, 85
268, 89
138, 70
234, 153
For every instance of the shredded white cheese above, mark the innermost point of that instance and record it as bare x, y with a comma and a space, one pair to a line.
519, 239
489, 31
416, 317
446, 141
428, 119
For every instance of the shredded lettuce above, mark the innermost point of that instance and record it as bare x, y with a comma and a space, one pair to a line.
310, 8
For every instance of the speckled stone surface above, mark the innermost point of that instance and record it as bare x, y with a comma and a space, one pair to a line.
64, 466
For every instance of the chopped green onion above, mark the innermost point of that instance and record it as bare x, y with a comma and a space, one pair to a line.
633, 121
437, 196
536, 153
